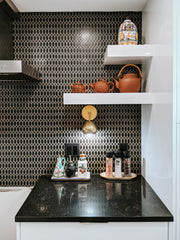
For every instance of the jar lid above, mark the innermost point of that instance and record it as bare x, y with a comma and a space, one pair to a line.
78, 83
123, 146
118, 154
109, 154
126, 154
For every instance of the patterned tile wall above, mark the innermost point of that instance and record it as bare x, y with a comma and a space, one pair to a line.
35, 125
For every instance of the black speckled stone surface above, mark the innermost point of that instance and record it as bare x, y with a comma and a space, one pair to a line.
95, 201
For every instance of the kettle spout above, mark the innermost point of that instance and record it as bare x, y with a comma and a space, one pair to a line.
92, 85
116, 82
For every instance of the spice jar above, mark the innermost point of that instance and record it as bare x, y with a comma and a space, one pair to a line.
109, 164
118, 162
127, 164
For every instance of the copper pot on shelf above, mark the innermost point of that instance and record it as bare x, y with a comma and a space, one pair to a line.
129, 82
102, 86
78, 87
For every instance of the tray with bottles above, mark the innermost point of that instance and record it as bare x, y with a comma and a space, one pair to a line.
76, 177
103, 175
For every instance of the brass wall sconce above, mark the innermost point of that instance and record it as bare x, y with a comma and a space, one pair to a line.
89, 113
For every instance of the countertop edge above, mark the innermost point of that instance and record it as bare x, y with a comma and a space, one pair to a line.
95, 219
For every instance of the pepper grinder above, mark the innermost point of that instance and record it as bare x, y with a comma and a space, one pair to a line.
127, 164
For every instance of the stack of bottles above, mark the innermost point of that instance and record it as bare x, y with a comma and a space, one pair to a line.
121, 157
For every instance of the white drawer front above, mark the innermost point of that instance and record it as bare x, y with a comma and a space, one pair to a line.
93, 231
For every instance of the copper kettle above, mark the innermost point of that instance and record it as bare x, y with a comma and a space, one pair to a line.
102, 86
78, 87
130, 81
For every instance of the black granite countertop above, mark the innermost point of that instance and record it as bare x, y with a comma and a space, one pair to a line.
95, 201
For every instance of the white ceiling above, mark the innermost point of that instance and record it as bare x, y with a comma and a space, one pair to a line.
78, 5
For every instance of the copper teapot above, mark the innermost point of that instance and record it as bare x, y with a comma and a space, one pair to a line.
102, 86
78, 87
130, 81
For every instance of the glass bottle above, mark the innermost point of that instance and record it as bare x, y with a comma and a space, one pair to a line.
118, 162
127, 164
109, 164
82, 166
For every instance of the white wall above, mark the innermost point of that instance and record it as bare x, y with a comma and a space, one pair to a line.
157, 119
176, 122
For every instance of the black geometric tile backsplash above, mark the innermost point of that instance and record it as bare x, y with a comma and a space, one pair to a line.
35, 125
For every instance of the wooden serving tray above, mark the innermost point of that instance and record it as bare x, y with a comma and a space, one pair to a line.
103, 175
75, 178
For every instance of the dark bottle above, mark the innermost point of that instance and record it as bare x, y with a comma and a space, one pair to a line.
70, 168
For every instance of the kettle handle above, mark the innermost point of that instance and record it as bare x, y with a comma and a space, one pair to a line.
127, 65
86, 90
111, 89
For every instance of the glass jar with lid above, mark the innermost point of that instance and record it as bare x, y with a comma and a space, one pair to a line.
128, 34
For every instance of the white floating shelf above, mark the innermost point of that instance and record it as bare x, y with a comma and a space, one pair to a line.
124, 54
115, 98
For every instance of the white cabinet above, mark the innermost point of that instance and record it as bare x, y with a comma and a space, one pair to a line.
177, 57
11, 198
178, 91
89, 231
178, 98
178, 181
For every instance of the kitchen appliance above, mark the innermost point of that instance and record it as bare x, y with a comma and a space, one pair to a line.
12, 69
17, 70
129, 82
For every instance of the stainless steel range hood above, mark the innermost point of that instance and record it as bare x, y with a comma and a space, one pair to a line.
11, 69
17, 70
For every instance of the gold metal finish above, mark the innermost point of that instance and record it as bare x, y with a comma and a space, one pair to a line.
89, 127
89, 112
103, 175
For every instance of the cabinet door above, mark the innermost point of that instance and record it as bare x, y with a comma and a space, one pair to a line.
11, 198
178, 93
177, 58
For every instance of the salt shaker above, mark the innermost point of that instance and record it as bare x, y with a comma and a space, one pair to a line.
127, 164
109, 164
